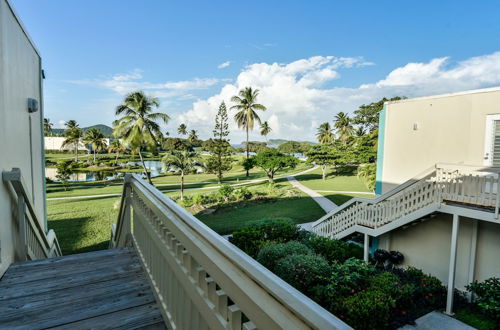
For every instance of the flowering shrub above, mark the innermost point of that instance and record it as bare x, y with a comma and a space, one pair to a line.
304, 272
370, 309
488, 296
334, 250
270, 254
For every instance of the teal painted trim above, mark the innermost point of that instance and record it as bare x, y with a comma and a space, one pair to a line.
380, 150
374, 245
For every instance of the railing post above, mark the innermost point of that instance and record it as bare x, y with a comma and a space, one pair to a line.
366, 248
21, 220
497, 204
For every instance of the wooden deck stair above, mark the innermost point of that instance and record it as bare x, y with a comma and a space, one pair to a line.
96, 290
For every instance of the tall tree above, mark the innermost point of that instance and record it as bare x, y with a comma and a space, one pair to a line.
117, 147
193, 136
73, 134
325, 133
138, 126
47, 126
219, 161
184, 161
265, 129
182, 130
246, 105
271, 161
368, 115
343, 126
328, 154
95, 139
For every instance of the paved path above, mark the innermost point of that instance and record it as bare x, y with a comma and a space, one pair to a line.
172, 190
326, 204
437, 320
346, 192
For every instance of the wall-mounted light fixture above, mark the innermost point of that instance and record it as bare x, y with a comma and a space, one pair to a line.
415, 126
32, 105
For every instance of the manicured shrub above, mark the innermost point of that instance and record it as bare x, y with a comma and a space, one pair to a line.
186, 202
270, 254
225, 191
335, 250
242, 193
249, 239
304, 272
487, 296
370, 309
279, 229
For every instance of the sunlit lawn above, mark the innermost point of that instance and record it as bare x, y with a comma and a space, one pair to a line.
340, 199
314, 181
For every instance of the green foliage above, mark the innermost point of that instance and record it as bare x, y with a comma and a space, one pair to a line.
367, 173
329, 154
219, 161
334, 250
272, 160
64, 170
176, 144
305, 272
242, 193
368, 115
255, 146
475, 318
325, 133
225, 191
272, 253
488, 296
369, 310
248, 164
293, 147
249, 239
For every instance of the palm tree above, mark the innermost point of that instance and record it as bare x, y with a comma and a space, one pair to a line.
73, 134
246, 115
265, 129
359, 131
184, 161
325, 134
138, 126
117, 147
193, 136
96, 139
343, 125
47, 126
182, 130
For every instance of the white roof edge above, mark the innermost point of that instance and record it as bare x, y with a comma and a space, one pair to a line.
472, 91
23, 28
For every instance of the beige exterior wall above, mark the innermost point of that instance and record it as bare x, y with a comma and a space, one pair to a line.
426, 245
449, 129
55, 143
20, 132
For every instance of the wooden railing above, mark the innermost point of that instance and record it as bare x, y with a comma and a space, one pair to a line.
443, 183
33, 243
201, 280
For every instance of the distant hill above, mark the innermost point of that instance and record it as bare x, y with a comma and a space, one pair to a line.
104, 129
278, 142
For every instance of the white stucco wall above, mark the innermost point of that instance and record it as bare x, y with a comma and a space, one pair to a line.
55, 143
20, 132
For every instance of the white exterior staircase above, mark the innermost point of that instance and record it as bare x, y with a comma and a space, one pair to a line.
469, 191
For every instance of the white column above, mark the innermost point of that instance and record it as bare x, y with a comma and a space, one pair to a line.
472, 255
453, 263
367, 247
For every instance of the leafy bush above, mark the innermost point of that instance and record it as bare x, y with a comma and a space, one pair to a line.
270, 254
242, 193
249, 239
334, 250
279, 229
304, 272
488, 296
186, 202
370, 309
225, 191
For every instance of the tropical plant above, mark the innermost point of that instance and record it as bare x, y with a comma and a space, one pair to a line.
95, 139
64, 169
343, 126
325, 133
184, 161
193, 136
117, 147
73, 134
487, 296
265, 129
368, 115
182, 130
47, 126
219, 161
138, 126
325, 155
367, 173
271, 161
246, 105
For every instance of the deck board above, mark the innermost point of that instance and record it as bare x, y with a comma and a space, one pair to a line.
97, 290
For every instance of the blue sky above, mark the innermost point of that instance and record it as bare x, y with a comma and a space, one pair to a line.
310, 59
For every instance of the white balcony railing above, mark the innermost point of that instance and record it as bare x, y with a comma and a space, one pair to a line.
201, 280
443, 183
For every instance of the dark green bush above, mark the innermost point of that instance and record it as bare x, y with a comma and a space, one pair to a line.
270, 254
249, 240
279, 229
335, 250
304, 272
370, 309
487, 296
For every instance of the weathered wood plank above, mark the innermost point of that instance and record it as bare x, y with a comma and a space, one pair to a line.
145, 316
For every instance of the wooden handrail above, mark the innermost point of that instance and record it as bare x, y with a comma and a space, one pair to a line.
174, 245
48, 246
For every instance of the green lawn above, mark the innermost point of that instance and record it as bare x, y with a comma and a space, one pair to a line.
340, 199
314, 181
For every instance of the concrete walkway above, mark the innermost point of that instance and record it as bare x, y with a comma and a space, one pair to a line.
326, 204
437, 320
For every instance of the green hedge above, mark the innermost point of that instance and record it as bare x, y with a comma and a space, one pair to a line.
270, 254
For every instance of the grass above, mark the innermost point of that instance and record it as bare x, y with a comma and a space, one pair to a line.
83, 225
473, 317
340, 199
333, 182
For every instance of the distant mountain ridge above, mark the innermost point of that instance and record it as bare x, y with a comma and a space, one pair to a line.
278, 142
104, 129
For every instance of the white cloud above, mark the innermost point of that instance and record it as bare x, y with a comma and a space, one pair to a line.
298, 101
224, 65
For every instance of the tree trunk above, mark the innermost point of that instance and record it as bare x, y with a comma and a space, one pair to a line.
323, 169
116, 159
76, 151
94, 156
182, 185
145, 169
248, 173
270, 177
